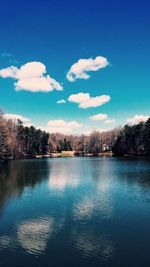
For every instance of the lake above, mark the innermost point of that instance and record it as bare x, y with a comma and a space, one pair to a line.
73, 212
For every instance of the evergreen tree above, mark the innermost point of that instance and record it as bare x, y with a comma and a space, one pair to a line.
147, 137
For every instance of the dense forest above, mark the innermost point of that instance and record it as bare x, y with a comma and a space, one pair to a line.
18, 141
133, 140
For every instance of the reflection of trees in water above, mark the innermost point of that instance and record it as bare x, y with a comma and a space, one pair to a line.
132, 171
17, 175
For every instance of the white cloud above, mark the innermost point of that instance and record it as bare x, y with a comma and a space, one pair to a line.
61, 101
79, 69
31, 77
99, 117
31, 70
86, 101
109, 121
38, 84
16, 117
137, 118
79, 98
95, 101
102, 117
9, 72
61, 126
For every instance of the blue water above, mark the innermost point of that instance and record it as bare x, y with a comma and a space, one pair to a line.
75, 212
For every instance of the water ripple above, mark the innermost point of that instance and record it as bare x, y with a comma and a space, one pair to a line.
4, 242
89, 244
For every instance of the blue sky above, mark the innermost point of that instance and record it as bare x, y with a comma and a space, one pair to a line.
60, 33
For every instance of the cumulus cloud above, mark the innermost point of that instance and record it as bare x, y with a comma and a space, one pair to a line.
16, 117
31, 77
99, 117
61, 126
109, 121
61, 101
80, 69
86, 101
79, 98
137, 118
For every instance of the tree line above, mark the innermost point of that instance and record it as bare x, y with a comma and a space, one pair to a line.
18, 141
94, 143
133, 140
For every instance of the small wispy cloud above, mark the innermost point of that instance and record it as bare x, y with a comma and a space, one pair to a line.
99, 117
82, 67
5, 54
61, 101
9, 58
102, 117
109, 121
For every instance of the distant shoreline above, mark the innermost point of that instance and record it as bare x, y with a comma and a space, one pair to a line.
68, 154
75, 154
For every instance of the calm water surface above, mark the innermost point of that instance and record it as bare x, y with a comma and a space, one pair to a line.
85, 212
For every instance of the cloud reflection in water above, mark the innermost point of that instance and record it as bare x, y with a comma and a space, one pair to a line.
5, 242
94, 205
33, 234
61, 177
